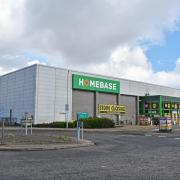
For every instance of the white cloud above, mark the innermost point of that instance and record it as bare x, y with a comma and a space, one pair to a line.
125, 62
11, 19
35, 62
5, 70
85, 32
102, 35
13, 62
132, 63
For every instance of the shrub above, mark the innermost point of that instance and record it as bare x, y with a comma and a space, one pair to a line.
98, 123
57, 124
88, 123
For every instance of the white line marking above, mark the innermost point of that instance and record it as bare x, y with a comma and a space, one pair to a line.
177, 138
148, 135
127, 135
103, 166
161, 136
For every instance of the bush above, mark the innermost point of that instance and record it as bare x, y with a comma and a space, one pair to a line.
88, 123
98, 123
56, 124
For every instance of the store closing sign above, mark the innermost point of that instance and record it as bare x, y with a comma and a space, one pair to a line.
111, 109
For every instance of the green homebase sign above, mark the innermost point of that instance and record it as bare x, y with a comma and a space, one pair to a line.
95, 84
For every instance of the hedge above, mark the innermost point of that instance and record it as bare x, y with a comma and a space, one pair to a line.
98, 123
88, 123
57, 124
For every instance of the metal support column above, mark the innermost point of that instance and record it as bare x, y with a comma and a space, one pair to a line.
96, 102
118, 103
137, 110
67, 100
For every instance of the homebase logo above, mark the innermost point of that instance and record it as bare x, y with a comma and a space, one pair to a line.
90, 83
97, 84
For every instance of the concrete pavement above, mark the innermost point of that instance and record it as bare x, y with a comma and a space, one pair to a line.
116, 156
53, 145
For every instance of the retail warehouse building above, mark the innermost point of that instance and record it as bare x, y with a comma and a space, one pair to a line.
54, 94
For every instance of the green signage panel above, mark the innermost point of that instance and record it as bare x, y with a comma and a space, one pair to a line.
95, 84
82, 115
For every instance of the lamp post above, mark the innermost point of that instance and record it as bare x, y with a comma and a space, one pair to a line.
67, 100
2, 138
26, 116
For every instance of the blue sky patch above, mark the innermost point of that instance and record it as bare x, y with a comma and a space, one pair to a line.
164, 56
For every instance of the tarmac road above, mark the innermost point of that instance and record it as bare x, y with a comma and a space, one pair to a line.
115, 156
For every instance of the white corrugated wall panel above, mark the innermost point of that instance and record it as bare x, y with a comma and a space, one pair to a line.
17, 92
52, 94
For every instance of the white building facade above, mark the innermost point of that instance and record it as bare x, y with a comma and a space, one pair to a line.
48, 94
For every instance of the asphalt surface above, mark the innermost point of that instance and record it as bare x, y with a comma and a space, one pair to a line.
115, 156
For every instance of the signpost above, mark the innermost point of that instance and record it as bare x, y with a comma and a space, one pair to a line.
2, 121
27, 122
80, 116
66, 114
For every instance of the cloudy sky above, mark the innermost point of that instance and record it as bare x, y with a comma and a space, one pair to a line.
134, 39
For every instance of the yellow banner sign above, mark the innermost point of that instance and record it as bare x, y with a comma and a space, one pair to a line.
111, 109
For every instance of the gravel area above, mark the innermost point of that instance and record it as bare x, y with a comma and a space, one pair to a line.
18, 137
